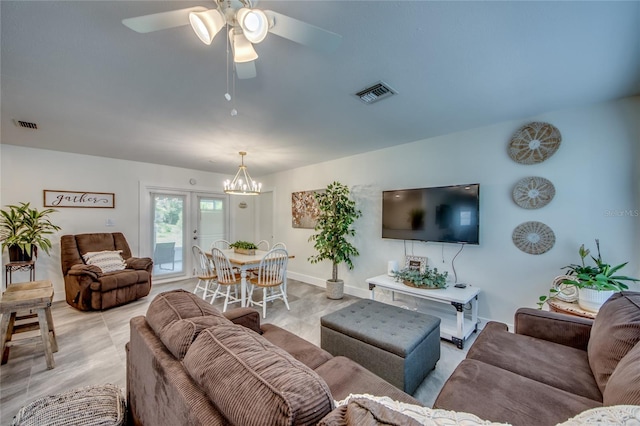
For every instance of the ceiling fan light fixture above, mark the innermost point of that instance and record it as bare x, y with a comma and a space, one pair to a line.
207, 24
254, 24
243, 50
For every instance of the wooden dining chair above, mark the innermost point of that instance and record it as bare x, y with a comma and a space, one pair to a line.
263, 245
227, 278
221, 244
271, 278
279, 245
205, 273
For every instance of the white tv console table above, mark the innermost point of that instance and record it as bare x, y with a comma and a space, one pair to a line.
455, 327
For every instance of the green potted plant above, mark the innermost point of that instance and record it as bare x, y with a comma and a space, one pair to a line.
429, 279
244, 247
337, 213
24, 229
595, 283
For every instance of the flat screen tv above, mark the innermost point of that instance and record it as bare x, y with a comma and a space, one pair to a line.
447, 214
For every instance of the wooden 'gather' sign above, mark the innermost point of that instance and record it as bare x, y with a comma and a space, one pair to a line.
100, 200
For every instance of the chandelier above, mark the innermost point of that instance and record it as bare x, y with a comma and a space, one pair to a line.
242, 184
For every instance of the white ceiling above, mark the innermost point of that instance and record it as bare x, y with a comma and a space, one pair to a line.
95, 87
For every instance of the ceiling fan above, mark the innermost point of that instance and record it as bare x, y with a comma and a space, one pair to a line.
247, 26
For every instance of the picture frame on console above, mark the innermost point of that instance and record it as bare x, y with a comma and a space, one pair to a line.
418, 263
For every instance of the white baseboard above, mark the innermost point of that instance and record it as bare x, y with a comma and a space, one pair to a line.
321, 282
363, 292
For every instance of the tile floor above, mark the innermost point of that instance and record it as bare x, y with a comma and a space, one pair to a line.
91, 345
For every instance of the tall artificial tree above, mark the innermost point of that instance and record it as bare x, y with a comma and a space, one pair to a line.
337, 213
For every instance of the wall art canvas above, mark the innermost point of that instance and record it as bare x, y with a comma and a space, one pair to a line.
304, 209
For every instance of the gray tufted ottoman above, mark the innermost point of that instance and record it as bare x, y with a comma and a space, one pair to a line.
399, 345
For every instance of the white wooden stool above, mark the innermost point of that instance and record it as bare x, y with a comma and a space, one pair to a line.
33, 296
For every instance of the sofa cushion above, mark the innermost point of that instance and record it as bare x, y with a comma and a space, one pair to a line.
623, 386
615, 331
177, 317
253, 382
302, 350
536, 359
119, 279
95, 242
179, 335
175, 305
344, 377
492, 393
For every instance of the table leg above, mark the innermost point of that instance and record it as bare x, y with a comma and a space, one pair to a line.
6, 331
243, 287
52, 330
474, 312
46, 340
459, 319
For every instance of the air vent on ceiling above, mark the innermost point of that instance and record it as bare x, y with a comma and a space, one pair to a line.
375, 93
25, 124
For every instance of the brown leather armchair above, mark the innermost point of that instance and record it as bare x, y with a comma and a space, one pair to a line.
87, 287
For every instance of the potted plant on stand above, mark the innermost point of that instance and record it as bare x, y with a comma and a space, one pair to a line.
595, 283
337, 213
24, 229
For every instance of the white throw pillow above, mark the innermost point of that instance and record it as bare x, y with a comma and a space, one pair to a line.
425, 416
611, 415
108, 261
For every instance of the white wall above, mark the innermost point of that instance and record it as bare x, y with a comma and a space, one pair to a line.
26, 172
594, 174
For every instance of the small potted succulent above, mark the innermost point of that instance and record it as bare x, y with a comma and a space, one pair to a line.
429, 279
595, 283
244, 247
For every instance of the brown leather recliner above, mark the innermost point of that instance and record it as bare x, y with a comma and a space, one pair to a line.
87, 287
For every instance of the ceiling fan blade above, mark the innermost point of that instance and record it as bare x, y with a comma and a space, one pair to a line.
162, 20
302, 32
245, 70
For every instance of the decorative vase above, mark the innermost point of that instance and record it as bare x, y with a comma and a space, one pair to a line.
591, 300
335, 289
16, 254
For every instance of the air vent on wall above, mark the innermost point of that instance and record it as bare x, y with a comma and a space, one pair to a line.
375, 93
26, 124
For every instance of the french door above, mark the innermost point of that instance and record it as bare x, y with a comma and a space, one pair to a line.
179, 220
211, 220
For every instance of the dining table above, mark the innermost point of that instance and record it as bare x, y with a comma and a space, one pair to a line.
244, 262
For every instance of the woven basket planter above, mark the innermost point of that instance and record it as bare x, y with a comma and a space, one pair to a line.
249, 252
410, 284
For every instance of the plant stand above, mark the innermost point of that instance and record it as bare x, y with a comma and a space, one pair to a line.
12, 267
